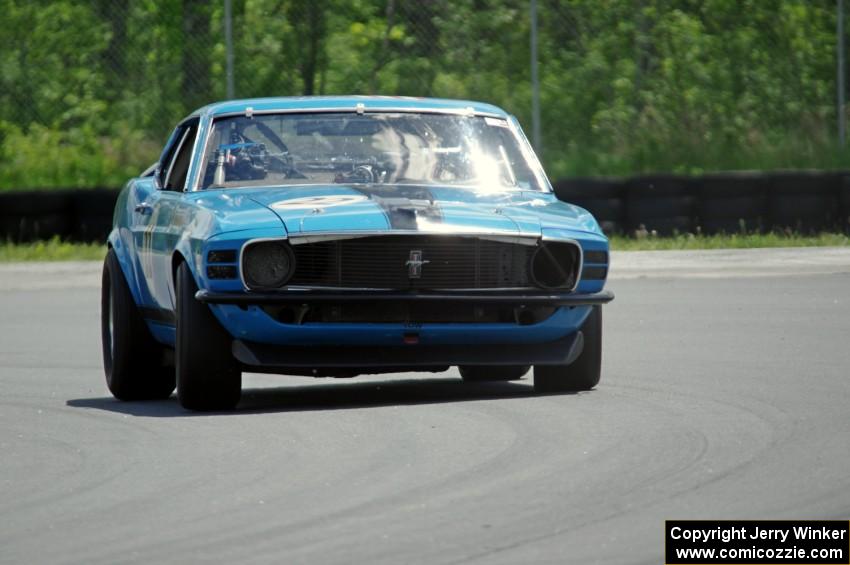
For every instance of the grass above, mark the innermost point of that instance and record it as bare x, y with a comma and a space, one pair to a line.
51, 250
57, 250
728, 241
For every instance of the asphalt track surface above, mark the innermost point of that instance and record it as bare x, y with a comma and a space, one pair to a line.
724, 395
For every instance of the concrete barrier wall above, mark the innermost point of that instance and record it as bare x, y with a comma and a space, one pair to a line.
803, 201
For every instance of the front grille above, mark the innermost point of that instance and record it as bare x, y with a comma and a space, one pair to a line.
448, 262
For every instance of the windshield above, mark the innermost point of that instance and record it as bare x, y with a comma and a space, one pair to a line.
372, 148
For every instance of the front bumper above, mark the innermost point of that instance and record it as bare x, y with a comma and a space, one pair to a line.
307, 297
244, 316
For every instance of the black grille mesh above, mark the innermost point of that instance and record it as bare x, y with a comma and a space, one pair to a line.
381, 262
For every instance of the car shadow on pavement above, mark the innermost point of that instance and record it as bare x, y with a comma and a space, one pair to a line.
335, 396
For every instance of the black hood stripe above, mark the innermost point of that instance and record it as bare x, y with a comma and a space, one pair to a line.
404, 205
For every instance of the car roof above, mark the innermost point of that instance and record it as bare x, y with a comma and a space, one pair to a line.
349, 103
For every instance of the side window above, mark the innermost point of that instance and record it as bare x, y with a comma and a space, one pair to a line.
174, 165
168, 154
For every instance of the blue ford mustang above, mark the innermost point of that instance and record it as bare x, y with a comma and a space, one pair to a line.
335, 236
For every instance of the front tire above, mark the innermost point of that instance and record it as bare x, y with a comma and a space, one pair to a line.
132, 360
476, 373
208, 377
584, 372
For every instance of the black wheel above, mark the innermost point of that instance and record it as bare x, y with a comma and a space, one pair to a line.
132, 360
208, 377
475, 373
581, 374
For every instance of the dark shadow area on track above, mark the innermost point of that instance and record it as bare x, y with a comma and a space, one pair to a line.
335, 396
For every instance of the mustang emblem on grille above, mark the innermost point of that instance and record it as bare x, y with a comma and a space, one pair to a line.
414, 264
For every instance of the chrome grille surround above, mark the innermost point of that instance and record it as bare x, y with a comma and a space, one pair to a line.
379, 261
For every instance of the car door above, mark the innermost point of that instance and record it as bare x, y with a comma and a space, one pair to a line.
143, 193
160, 232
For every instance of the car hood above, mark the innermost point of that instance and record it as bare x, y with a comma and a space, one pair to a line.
427, 209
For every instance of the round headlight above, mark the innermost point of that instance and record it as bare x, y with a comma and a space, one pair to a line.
267, 264
555, 265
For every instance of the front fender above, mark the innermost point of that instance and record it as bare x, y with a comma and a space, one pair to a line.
190, 251
120, 240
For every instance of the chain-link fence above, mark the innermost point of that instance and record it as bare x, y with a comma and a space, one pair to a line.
89, 89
